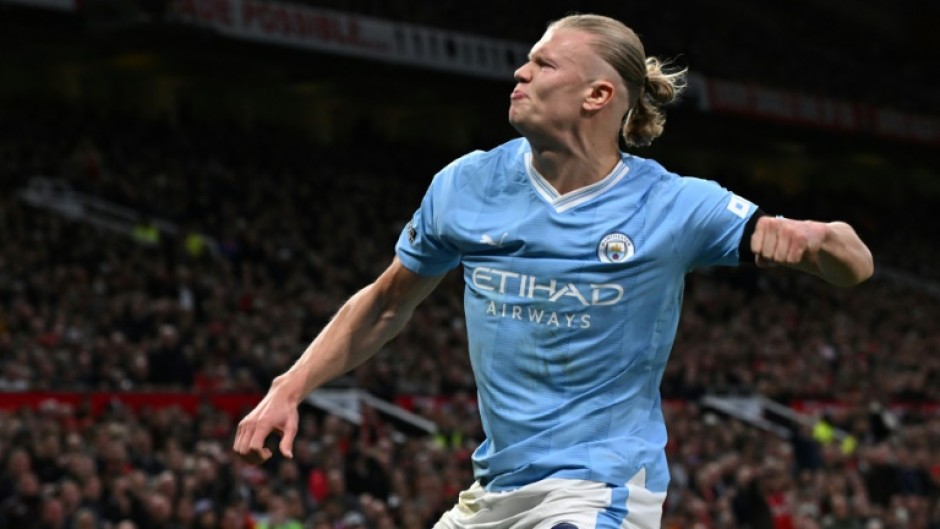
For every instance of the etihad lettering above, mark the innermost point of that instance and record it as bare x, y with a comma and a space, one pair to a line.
539, 316
532, 287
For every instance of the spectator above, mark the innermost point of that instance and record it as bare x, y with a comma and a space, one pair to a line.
23, 509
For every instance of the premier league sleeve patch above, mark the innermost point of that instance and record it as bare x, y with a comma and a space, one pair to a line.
615, 248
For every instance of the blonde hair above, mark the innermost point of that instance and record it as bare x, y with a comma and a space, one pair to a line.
649, 87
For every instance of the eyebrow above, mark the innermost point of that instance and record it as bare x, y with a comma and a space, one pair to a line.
541, 55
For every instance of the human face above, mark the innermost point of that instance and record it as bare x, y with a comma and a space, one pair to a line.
552, 85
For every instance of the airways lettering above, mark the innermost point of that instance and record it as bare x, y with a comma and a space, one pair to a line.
539, 316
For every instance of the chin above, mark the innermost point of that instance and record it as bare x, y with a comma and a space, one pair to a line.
517, 123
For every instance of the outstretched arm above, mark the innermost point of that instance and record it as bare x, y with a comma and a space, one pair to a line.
830, 250
368, 320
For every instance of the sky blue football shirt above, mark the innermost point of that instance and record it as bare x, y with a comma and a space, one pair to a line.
572, 304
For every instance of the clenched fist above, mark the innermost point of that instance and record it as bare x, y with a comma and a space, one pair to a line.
780, 241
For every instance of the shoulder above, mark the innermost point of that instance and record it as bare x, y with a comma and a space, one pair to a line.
697, 187
667, 192
667, 182
649, 171
658, 183
478, 169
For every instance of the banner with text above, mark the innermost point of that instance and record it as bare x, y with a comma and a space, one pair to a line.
349, 34
729, 97
344, 33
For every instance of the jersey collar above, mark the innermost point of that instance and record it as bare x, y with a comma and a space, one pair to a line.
572, 199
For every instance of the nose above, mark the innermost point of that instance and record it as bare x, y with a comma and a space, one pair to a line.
522, 73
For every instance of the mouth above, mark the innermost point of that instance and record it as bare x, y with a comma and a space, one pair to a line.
517, 95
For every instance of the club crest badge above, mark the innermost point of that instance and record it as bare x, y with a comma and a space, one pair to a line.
615, 248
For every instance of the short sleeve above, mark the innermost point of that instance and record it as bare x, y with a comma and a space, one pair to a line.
422, 246
714, 224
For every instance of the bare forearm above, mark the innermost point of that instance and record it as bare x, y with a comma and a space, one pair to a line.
842, 259
364, 323
830, 250
359, 329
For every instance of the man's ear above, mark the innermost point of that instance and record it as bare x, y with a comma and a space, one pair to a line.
599, 95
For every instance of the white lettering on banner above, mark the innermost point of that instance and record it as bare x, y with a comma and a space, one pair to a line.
291, 21
320, 29
759, 102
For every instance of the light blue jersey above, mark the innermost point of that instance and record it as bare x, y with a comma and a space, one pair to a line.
572, 304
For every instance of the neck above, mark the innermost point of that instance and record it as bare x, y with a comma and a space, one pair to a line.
572, 167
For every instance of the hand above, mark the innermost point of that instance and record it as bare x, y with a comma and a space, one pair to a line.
780, 241
275, 413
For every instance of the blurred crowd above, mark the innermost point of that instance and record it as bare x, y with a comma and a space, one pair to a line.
296, 230
729, 475
64, 468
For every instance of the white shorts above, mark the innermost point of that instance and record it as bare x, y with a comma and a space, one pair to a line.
558, 503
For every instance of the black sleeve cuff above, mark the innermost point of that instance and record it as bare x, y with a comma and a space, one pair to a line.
745, 255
